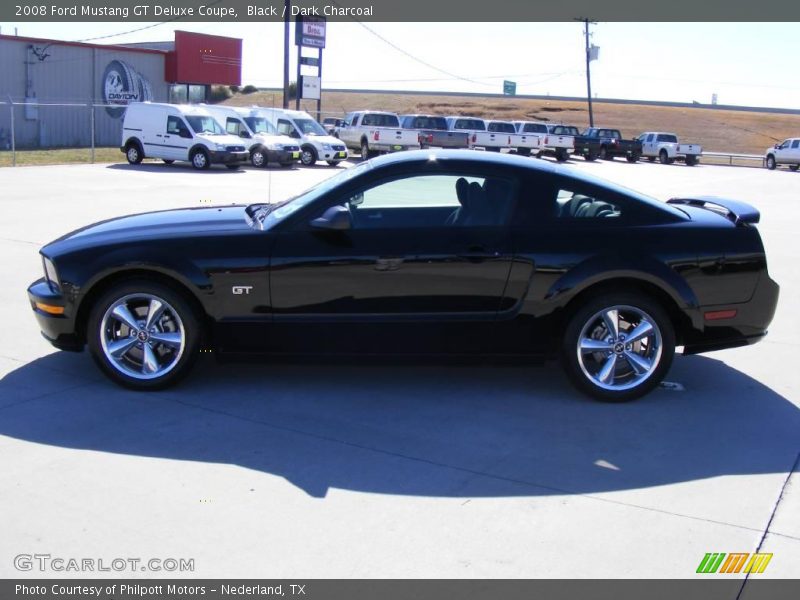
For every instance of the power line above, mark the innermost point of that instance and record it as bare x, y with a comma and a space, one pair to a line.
409, 55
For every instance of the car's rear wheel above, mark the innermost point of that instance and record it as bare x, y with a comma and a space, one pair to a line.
590, 156
618, 347
771, 164
663, 157
134, 153
562, 155
200, 160
691, 160
632, 158
366, 154
604, 155
143, 335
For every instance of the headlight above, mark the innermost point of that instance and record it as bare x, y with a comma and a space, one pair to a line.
50, 272
326, 147
220, 147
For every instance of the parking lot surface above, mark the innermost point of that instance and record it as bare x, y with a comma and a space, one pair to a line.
320, 470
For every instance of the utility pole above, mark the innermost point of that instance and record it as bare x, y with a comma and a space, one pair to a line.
586, 33
287, 7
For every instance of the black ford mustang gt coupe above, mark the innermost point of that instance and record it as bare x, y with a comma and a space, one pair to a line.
423, 253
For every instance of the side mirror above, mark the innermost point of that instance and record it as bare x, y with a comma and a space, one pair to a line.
356, 199
245, 134
295, 134
185, 133
335, 218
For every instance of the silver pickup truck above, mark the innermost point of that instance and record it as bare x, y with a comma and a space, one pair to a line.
374, 132
432, 132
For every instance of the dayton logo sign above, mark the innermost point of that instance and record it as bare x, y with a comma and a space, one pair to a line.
122, 84
735, 562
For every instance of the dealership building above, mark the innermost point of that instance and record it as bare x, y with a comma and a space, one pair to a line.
63, 93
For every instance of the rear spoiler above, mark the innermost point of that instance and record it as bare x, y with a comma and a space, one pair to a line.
735, 210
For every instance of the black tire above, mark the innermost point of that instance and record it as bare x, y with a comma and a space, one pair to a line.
308, 156
134, 153
691, 160
562, 155
590, 156
651, 158
200, 160
771, 164
366, 153
167, 161
234, 167
586, 324
176, 364
524, 151
333, 163
632, 158
663, 157
793, 167
604, 155
259, 158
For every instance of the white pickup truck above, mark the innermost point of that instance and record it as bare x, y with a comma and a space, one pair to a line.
373, 132
665, 147
785, 153
523, 142
479, 137
560, 141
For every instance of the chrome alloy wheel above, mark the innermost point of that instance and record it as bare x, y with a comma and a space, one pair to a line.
619, 347
199, 160
142, 336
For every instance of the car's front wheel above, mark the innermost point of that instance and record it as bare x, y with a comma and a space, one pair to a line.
771, 164
143, 335
308, 156
618, 347
200, 160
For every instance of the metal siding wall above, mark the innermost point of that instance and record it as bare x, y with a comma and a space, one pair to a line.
70, 74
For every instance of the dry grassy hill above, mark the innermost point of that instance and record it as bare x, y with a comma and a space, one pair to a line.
716, 130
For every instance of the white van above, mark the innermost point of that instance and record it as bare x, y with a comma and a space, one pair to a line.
178, 132
259, 135
315, 143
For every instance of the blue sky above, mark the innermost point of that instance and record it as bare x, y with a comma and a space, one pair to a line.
743, 63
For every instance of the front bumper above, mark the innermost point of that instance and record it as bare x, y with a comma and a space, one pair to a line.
283, 157
332, 155
227, 157
58, 329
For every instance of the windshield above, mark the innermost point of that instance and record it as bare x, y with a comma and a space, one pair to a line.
267, 216
201, 124
309, 127
564, 130
260, 125
470, 124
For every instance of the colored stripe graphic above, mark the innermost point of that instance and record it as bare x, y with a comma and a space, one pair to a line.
710, 562
734, 562
758, 563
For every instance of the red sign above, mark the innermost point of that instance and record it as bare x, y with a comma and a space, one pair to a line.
204, 59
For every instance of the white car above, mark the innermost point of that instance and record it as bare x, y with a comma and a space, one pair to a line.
479, 135
315, 143
263, 141
665, 147
178, 132
785, 153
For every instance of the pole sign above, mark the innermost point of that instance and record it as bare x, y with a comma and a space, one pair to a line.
310, 32
310, 87
509, 88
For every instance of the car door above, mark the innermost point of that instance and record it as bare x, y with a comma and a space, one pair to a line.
418, 246
176, 139
794, 152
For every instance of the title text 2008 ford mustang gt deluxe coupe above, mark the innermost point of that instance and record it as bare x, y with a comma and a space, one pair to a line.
448, 252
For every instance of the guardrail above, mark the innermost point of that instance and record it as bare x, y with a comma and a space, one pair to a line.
731, 155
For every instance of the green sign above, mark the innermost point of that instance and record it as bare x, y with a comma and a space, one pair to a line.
510, 88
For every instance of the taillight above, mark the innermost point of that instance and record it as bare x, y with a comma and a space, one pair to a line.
474, 137
546, 140
376, 136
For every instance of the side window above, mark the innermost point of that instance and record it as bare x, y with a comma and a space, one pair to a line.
650, 138
286, 128
575, 205
175, 125
236, 127
430, 201
795, 144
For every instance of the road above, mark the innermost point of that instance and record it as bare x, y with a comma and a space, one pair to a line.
293, 470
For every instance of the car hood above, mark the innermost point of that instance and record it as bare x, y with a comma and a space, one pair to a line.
283, 140
166, 224
223, 140
324, 139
